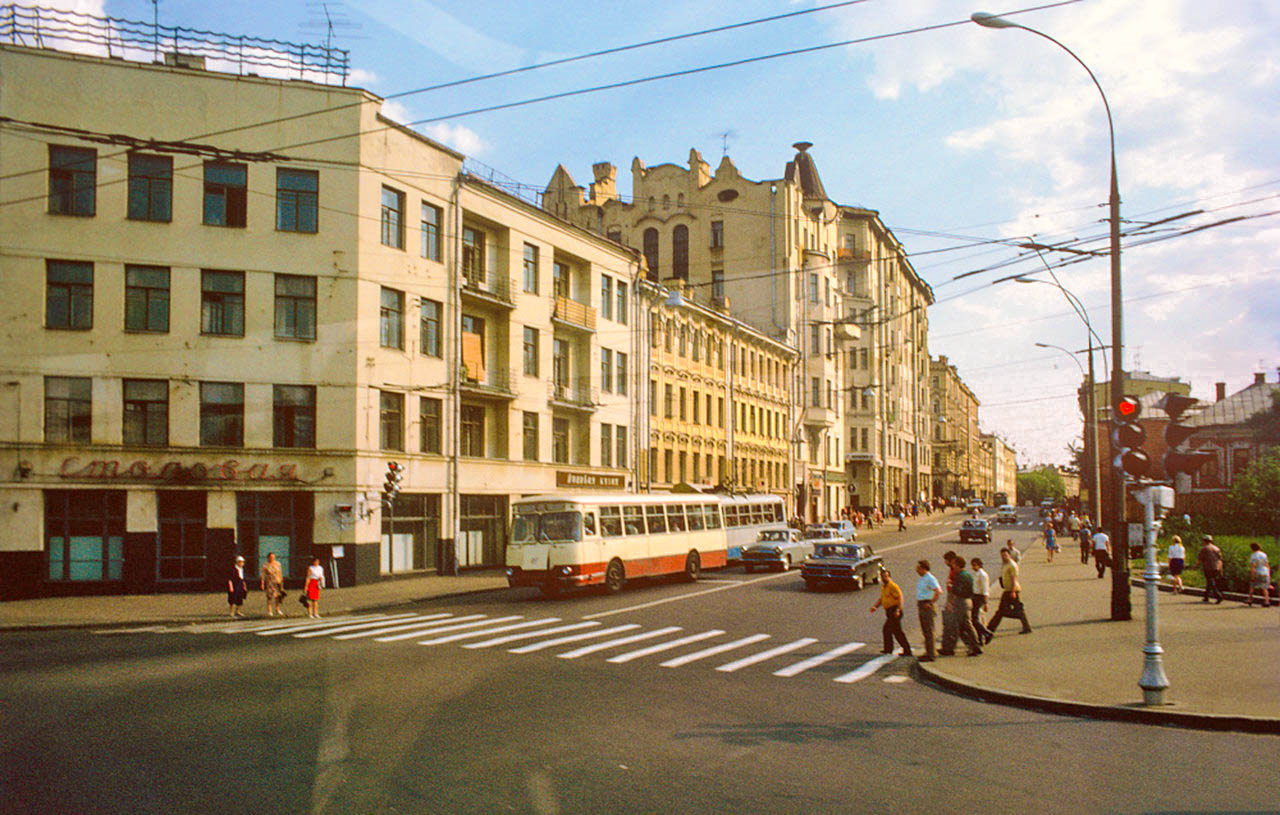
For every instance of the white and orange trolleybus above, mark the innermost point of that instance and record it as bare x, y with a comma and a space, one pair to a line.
564, 541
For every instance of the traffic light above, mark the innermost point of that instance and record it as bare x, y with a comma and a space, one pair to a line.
391, 487
1180, 461
1127, 436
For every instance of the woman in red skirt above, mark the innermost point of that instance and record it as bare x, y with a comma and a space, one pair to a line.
315, 582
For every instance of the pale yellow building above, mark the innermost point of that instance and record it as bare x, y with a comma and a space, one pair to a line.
956, 443
217, 344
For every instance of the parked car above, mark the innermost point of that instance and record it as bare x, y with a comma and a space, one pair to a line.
821, 533
844, 565
777, 549
1046, 507
1007, 514
847, 530
975, 530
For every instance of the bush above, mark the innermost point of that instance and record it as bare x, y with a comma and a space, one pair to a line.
1235, 557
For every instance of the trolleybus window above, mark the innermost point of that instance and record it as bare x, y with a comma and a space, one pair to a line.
611, 521
695, 517
633, 520
713, 516
657, 521
549, 526
675, 517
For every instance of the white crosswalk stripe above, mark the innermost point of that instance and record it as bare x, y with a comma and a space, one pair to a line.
325, 632
820, 659
527, 636
712, 651
762, 656
459, 627
866, 669
328, 625
466, 635
590, 635
244, 629
387, 629
665, 646
600, 646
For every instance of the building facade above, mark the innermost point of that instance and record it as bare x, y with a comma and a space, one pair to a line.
217, 345
956, 437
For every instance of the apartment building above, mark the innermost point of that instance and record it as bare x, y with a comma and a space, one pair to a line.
957, 471
225, 318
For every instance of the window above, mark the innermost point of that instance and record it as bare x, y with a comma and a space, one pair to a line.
146, 298
560, 441
606, 297
622, 373
430, 415
680, 252
717, 284
150, 187
684, 411
651, 249
297, 200
225, 193
697, 408
531, 268
606, 445
560, 280
530, 351
222, 303
606, 370
472, 430
816, 393
813, 287
622, 302
717, 234
473, 347
560, 363
295, 307
390, 420
392, 218
68, 408
472, 255
815, 339
391, 319
84, 533
432, 216
668, 467
73, 180
668, 401
719, 411
293, 416
430, 339
146, 412
68, 295
222, 414
683, 347
668, 334
530, 436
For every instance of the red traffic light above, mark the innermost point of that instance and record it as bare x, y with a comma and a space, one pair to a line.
1128, 407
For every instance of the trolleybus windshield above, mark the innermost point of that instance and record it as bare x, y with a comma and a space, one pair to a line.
547, 526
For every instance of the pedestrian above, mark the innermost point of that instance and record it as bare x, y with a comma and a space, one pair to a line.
1210, 561
1050, 541
902, 520
927, 593
957, 611
981, 590
237, 589
1010, 596
315, 582
1101, 551
273, 585
1259, 575
1014, 554
1177, 559
1086, 540
891, 600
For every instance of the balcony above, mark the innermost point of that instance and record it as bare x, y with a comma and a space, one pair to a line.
490, 290
495, 384
820, 416
573, 314
575, 394
847, 254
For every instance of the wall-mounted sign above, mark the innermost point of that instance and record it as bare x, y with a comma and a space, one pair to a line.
593, 481
175, 472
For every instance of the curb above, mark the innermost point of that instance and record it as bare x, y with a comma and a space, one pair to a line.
1196, 591
1121, 713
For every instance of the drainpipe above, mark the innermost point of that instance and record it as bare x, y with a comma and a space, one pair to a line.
454, 272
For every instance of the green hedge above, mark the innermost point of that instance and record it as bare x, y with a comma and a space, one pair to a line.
1235, 553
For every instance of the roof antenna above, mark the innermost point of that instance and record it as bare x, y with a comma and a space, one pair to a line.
725, 136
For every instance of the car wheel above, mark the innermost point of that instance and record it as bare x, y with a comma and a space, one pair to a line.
692, 567
614, 577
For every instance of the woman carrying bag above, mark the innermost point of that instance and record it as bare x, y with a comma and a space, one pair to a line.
315, 582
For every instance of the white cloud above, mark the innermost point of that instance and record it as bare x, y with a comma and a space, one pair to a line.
396, 112
361, 77
459, 137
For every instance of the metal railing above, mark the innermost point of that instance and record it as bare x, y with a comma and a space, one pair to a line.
574, 392
500, 381
498, 288
575, 313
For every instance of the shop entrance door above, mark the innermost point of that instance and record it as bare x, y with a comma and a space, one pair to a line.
183, 523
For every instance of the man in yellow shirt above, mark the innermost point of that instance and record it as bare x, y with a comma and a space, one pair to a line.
891, 599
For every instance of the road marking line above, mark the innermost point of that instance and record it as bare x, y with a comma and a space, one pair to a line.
329, 625
458, 627
525, 636
710, 652
410, 618
600, 646
734, 585
140, 630
897, 678
343, 618
448, 618
469, 634
665, 646
867, 668
590, 635
729, 667
813, 662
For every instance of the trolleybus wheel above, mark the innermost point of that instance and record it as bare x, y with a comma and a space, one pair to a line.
692, 566
614, 577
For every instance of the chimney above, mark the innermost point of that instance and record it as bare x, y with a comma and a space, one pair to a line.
1259, 378
1222, 390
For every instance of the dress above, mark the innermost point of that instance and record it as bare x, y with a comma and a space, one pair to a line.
315, 582
1177, 558
1259, 570
237, 589
273, 579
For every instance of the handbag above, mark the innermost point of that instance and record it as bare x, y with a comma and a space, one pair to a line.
302, 598
283, 594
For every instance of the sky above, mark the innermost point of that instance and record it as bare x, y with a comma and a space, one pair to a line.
967, 140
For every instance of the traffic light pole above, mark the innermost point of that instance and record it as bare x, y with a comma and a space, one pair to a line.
1120, 606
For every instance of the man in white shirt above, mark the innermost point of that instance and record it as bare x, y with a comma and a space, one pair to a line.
1101, 551
981, 591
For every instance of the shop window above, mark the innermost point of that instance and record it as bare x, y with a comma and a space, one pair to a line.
84, 535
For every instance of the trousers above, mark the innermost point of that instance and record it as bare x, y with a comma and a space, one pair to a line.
957, 623
1012, 607
928, 613
893, 629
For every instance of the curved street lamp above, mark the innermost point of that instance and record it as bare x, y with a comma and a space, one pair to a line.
1120, 606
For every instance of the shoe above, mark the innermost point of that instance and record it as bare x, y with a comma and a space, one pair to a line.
924, 659
904, 653
886, 650
946, 653
974, 654
1025, 631
1219, 601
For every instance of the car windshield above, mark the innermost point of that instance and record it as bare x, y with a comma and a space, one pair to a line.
838, 550
548, 526
773, 535
975, 524
812, 533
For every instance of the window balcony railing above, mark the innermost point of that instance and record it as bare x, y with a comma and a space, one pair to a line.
499, 382
574, 392
494, 289
574, 313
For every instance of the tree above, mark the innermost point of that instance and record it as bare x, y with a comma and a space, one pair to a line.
1037, 485
1256, 491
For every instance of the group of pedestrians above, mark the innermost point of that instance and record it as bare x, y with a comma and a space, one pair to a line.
272, 584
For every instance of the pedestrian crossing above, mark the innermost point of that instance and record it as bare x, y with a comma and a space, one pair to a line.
616, 644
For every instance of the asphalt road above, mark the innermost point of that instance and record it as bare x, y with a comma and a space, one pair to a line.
219, 718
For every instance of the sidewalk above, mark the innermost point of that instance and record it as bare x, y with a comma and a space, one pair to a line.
151, 609
1220, 660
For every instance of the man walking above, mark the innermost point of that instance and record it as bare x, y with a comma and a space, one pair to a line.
891, 599
956, 622
1210, 560
1010, 596
927, 593
1086, 540
981, 590
1101, 551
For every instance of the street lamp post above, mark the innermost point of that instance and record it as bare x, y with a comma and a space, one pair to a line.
1120, 606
